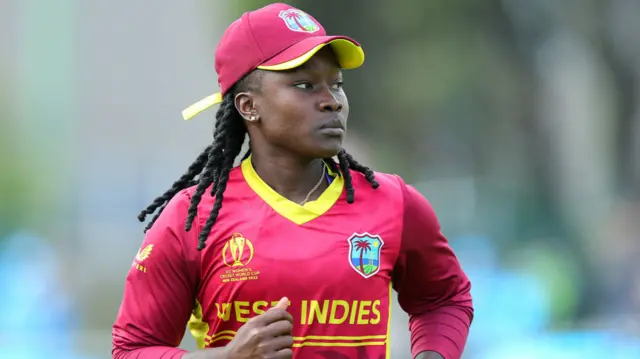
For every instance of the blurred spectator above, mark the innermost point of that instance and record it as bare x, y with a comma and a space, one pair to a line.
38, 316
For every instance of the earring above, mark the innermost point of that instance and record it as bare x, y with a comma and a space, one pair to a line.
253, 118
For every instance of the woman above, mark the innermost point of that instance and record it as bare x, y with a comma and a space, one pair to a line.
289, 254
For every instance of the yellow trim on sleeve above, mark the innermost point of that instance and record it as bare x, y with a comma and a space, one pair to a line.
388, 340
198, 328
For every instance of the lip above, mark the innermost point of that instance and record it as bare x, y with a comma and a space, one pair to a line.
334, 127
334, 124
332, 131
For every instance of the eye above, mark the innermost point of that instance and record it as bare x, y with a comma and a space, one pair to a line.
304, 85
338, 85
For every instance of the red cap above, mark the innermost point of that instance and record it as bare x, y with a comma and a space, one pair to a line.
276, 37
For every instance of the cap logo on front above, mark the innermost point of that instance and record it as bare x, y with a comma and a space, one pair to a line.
297, 20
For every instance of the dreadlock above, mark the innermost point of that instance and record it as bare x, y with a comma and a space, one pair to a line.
212, 167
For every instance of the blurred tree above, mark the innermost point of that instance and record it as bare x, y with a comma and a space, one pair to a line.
14, 181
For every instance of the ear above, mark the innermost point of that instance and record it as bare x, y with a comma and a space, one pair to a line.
244, 103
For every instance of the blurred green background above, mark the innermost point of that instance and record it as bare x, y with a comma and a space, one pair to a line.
518, 119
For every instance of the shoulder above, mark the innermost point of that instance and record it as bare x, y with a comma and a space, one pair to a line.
389, 195
235, 176
176, 209
410, 195
389, 184
170, 225
393, 188
167, 244
387, 181
236, 187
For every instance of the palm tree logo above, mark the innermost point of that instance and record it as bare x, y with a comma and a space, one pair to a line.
298, 20
364, 253
362, 246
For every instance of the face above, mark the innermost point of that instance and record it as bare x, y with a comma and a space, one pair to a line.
303, 111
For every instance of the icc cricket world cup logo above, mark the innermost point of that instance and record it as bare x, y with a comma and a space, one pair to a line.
238, 251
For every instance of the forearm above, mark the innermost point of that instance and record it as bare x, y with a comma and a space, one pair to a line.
153, 352
443, 330
168, 353
429, 355
213, 353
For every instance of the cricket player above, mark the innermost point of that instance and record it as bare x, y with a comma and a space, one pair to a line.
290, 254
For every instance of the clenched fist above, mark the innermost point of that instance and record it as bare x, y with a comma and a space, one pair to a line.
267, 336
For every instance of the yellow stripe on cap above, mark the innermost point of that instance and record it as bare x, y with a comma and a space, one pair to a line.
350, 56
201, 105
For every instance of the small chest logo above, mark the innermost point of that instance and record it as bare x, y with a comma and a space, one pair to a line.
238, 251
297, 20
364, 253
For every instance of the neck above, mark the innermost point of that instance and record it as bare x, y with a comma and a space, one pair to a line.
290, 177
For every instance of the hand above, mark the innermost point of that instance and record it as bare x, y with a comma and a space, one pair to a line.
265, 336
429, 355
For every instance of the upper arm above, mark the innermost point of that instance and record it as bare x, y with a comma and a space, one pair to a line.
160, 288
427, 274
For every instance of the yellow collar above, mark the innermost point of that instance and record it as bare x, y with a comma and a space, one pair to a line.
290, 210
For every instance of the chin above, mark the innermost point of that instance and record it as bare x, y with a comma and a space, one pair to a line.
327, 150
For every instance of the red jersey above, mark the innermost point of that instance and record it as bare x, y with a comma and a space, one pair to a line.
336, 262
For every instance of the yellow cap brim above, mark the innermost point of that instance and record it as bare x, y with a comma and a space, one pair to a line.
349, 54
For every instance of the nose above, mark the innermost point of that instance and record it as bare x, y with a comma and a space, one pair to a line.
328, 101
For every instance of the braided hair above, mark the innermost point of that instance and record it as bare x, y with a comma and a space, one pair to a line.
212, 167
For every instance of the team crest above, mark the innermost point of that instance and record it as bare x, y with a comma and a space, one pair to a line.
297, 20
364, 253
238, 251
